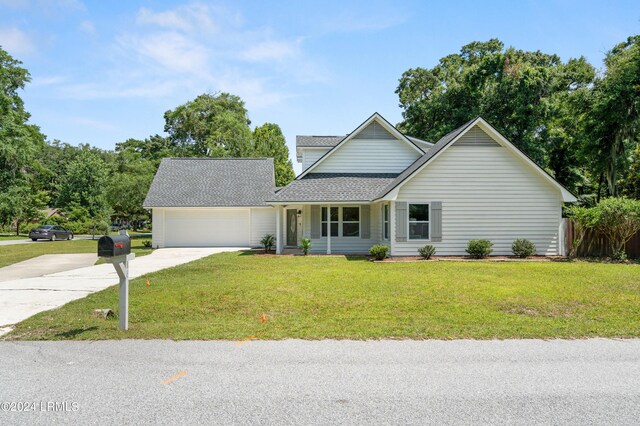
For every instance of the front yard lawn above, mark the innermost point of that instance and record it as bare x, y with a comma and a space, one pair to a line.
224, 297
19, 252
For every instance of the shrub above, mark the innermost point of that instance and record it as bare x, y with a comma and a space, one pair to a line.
306, 246
479, 249
523, 248
268, 242
379, 252
427, 251
146, 244
617, 219
619, 255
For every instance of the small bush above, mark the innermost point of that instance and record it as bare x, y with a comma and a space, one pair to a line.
619, 255
523, 248
479, 249
427, 251
306, 246
379, 252
146, 244
268, 242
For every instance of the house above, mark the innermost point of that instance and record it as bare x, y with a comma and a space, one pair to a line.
372, 186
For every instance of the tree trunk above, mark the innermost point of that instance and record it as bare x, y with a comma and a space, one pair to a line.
600, 186
17, 228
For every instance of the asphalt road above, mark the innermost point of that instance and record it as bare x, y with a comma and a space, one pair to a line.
28, 240
322, 382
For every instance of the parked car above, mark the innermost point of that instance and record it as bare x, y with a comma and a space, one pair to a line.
51, 233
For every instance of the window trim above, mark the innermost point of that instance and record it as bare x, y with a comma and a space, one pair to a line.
409, 203
329, 221
386, 208
340, 221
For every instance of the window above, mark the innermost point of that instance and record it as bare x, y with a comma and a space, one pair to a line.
345, 219
385, 222
350, 221
333, 220
418, 221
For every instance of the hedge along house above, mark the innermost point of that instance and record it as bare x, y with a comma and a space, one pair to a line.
378, 186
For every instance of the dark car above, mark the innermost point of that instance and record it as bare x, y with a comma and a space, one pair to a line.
51, 233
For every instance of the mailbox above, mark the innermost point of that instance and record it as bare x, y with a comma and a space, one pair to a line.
114, 245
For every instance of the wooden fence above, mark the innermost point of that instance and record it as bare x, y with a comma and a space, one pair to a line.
596, 245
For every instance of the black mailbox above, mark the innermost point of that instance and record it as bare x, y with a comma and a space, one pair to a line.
114, 245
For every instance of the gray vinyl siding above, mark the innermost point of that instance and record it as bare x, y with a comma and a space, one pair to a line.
475, 137
263, 222
374, 131
344, 244
486, 193
311, 155
369, 156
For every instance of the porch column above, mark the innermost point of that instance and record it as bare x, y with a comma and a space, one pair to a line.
279, 244
328, 228
392, 228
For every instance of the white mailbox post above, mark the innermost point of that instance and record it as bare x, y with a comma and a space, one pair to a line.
121, 264
117, 251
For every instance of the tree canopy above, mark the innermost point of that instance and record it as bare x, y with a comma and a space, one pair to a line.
210, 126
527, 96
20, 144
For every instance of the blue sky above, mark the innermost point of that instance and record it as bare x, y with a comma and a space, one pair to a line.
105, 71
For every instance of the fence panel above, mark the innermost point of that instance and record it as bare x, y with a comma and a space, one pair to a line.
597, 245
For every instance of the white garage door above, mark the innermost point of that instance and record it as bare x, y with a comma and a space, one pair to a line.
207, 228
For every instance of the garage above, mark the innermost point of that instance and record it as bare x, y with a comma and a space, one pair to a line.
212, 202
207, 228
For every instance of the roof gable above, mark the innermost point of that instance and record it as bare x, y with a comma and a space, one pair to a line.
374, 128
467, 134
212, 182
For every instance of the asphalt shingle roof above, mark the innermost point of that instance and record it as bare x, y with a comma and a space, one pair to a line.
212, 182
335, 187
319, 141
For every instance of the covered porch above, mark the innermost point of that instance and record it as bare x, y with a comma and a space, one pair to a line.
333, 228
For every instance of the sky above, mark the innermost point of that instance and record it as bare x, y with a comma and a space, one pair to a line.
106, 71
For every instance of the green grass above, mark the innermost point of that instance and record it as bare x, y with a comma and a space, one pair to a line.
19, 252
224, 296
5, 237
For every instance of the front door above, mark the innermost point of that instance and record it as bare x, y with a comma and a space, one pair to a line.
292, 227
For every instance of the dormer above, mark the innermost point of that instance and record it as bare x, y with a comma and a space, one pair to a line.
375, 146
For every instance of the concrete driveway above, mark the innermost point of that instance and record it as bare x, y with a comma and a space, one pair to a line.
22, 298
513, 382
28, 241
46, 264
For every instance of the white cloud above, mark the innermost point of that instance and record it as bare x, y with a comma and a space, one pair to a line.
189, 18
47, 6
170, 49
195, 48
87, 27
271, 50
46, 81
92, 123
15, 41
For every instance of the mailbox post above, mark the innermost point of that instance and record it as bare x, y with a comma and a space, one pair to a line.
116, 249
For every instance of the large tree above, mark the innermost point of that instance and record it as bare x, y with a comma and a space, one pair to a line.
211, 126
270, 142
521, 93
613, 124
20, 144
84, 184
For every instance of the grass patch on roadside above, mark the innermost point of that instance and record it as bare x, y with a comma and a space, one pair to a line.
5, 237
17, 253
224, 296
